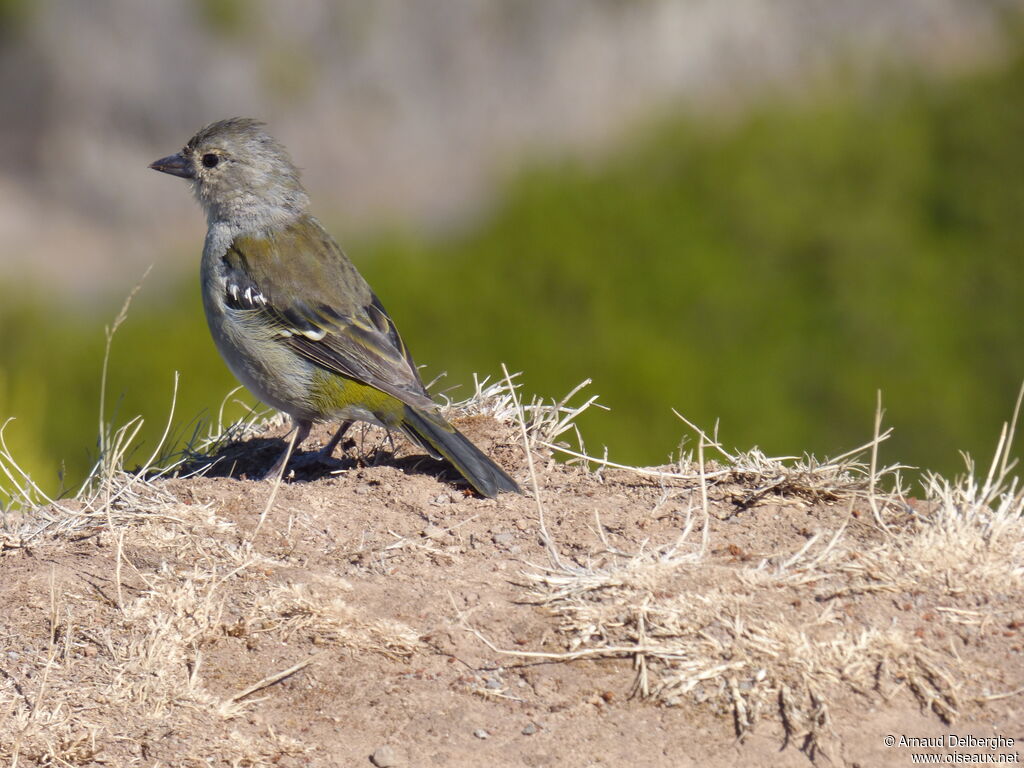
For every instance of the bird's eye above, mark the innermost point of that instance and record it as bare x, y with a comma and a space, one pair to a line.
210, 160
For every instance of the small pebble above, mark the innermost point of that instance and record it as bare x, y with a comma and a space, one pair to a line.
493, 684
384, 757
503, 539
433, 532
480, 733
530, 729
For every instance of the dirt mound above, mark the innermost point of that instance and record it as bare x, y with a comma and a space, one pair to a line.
750, 612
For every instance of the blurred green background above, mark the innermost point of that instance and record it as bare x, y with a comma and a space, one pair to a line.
769, 268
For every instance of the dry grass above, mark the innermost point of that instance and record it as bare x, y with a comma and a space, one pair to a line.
754, 639
320, 614
115, 668
700, 631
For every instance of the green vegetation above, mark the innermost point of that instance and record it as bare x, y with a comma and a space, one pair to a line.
227, 18
14, 16
51, 369
771, 271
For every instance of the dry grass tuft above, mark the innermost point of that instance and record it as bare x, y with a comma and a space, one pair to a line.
699, 632
115, 668
319, 614
717, 634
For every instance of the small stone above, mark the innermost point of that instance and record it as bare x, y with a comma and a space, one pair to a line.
385, 757
433, 532
493, 684
530, 729
503, 539
444, 498
480, 733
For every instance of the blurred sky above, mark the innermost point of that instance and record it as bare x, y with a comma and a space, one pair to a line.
400, 111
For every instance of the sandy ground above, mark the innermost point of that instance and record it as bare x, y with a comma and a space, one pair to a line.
774, 624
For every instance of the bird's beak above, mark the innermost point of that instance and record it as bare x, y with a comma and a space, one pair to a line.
176, 165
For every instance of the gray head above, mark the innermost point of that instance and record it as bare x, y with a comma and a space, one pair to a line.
240, 174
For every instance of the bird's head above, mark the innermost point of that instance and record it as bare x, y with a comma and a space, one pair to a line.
240, 174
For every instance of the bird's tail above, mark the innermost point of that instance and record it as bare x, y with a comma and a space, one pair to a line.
438, 436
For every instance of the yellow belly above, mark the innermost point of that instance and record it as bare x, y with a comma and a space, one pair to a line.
340, 398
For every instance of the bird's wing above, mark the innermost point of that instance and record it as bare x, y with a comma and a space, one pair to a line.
313, 300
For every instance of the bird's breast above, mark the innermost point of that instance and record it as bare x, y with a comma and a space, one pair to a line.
252, 350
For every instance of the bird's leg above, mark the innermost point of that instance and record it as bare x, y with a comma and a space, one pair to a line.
301, 433
328, 450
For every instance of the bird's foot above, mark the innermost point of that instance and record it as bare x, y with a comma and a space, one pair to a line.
323, 457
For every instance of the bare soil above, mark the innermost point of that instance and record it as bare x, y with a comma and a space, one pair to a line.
430, 627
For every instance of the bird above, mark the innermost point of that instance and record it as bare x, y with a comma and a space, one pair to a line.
292, 317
